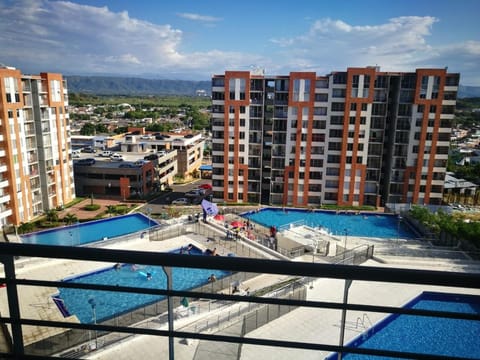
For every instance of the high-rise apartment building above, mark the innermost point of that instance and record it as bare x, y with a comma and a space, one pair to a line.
36, 172
357, 137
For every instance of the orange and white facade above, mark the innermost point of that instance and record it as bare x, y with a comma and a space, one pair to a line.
359, 137
36, 172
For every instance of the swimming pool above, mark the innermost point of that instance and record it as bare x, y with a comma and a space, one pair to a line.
423, 334
109, 304
84, 233
363, 224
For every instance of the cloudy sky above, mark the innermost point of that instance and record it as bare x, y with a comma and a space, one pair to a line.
184, 39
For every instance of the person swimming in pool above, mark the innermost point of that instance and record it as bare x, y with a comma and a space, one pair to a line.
149, 276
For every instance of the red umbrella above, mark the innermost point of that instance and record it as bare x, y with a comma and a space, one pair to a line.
205, 186
219, 217
236, 223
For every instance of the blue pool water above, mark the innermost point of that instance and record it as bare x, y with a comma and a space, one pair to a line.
109, 304
422, 334
84, 233
363, 225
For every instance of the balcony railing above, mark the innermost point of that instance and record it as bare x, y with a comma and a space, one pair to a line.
303, 270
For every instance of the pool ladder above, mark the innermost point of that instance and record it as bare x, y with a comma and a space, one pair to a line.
362, 321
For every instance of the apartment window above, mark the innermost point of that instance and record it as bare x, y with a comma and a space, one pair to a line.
433, 108
349, 147
320, 111
336, 120
301, 90
359, 159
321, 84
424, 87
318, 137
381, 81
408, 82
237, 88
333, 159
335, 133
379, 109
338, 106
353, 106
364, 106
336, 146
352, 120
321, 97
338, 93
218, 82
340, 78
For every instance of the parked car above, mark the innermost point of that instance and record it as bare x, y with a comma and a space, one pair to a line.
195, 193
76, 154
126, 165
106, 153
151, 157
116, 157
181, 201
87, 161
89, 149
140, 162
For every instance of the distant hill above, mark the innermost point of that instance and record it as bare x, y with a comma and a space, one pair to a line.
113, 85
110, 85
468, 91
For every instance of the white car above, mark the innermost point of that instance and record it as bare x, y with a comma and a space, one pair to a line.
106, 153
116, 157
181, 201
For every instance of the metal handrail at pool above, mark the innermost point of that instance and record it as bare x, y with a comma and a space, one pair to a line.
10, 251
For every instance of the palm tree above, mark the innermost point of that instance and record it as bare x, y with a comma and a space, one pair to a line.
111, 209
52, 215
25, 227
70, 219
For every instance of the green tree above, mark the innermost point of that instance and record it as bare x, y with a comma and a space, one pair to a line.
52, 215
25, 228
70, 219
88, 129
111, 210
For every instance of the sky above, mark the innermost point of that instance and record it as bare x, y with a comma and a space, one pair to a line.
193, 40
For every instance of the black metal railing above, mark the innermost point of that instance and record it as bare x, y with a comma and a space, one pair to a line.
9, 252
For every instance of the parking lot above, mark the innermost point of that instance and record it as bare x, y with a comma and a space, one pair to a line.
179, 191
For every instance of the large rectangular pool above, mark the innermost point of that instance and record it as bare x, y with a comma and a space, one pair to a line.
424, 334
338, 223
109, 304
84, 233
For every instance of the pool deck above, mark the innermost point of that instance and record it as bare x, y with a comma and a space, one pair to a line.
302, 324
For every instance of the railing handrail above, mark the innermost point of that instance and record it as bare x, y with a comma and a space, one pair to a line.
9, 251
370, 273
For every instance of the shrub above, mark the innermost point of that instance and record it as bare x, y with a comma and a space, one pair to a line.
91, 207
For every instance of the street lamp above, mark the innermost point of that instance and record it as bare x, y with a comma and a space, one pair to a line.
314, 250
93, 304
398, 227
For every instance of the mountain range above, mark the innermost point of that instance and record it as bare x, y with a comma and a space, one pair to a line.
113, 85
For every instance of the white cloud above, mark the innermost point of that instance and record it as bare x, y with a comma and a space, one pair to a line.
41, 35
198, 17
401, 44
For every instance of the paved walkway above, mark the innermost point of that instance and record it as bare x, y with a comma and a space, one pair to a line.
78, 209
